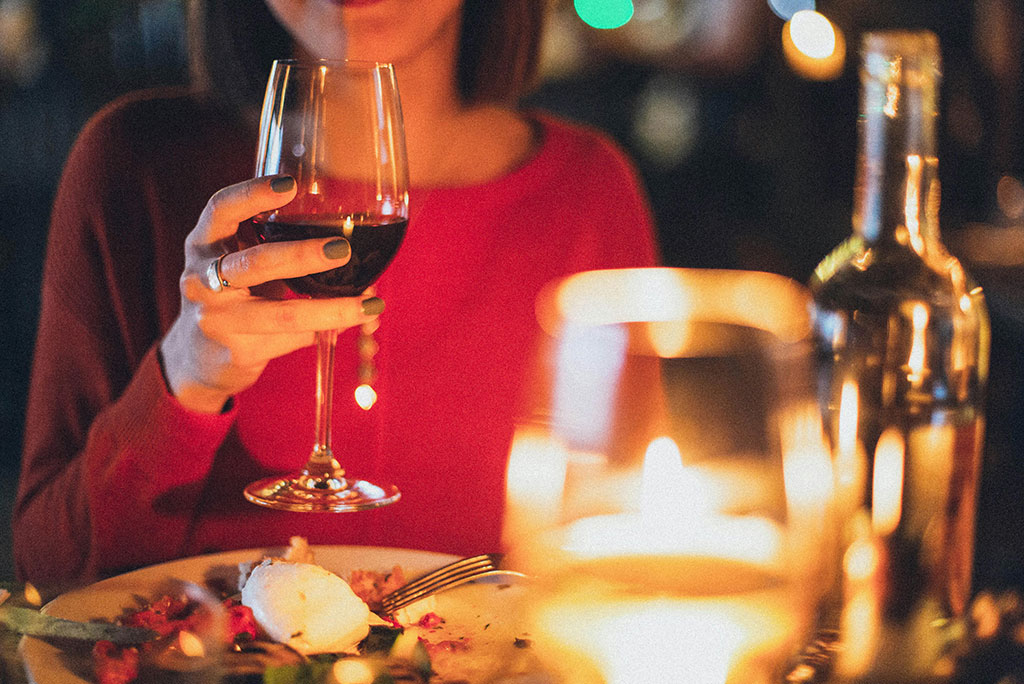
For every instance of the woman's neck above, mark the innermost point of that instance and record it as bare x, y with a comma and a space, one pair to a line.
431, 108
451, 144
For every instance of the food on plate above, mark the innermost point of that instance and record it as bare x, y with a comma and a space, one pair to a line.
373, 586
114, 664
169, 616
298, 551
289, 620
307, 607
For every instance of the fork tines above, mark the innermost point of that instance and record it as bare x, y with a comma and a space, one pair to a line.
453, 574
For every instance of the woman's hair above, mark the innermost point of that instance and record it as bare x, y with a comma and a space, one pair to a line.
233, 42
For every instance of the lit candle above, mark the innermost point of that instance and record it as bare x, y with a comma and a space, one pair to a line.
676, 517
675, 589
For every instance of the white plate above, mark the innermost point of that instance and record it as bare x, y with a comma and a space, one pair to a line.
480, 614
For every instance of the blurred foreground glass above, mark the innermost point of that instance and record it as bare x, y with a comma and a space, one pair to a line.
670, 489
336, 128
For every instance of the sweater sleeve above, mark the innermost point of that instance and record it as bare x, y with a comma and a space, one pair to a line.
112, 463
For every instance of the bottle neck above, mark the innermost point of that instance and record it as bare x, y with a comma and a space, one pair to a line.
897, 193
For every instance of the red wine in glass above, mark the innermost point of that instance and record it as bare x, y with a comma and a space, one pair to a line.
374, 242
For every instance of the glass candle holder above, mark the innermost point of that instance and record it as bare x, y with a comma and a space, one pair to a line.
669, 489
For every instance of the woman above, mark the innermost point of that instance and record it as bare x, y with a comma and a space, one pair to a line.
155, 399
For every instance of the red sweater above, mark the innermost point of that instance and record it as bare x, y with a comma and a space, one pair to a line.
116, 473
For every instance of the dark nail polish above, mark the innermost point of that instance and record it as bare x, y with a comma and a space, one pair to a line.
373, 306
337, 249
282, 184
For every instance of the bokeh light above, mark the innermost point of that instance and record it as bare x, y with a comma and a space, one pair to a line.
365, 396
604, 14
785, 9
666, 124
352, 671
1010, 197
814, 47
32, 595
23, 49
813, 34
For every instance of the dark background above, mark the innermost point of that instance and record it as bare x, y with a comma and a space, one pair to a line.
747, 164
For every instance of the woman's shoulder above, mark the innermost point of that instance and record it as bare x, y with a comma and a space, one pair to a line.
160, 137
157, 110
140, 124
569, 137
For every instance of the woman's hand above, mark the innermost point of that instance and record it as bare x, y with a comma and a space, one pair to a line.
224, 336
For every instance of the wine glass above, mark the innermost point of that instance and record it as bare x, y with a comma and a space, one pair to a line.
669, 491
336, 128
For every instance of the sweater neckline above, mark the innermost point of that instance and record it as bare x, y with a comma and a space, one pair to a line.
542, 157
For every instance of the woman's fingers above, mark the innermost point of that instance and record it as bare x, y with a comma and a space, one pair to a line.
231, 205
257, 316
280, 260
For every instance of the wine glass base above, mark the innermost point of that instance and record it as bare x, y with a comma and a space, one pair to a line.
292, 494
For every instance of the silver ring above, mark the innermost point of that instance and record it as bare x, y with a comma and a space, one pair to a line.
215, 280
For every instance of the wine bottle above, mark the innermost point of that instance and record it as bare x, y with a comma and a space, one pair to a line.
902, 342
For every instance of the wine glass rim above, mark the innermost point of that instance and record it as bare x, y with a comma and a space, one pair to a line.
348, 63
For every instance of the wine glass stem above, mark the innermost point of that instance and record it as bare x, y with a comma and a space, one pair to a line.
322, 459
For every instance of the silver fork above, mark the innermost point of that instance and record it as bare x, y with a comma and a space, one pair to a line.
444, 578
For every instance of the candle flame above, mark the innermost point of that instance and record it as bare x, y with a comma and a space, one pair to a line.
887, 483
678, 515
668, 489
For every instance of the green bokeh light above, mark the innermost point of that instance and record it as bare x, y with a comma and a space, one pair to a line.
604, 14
